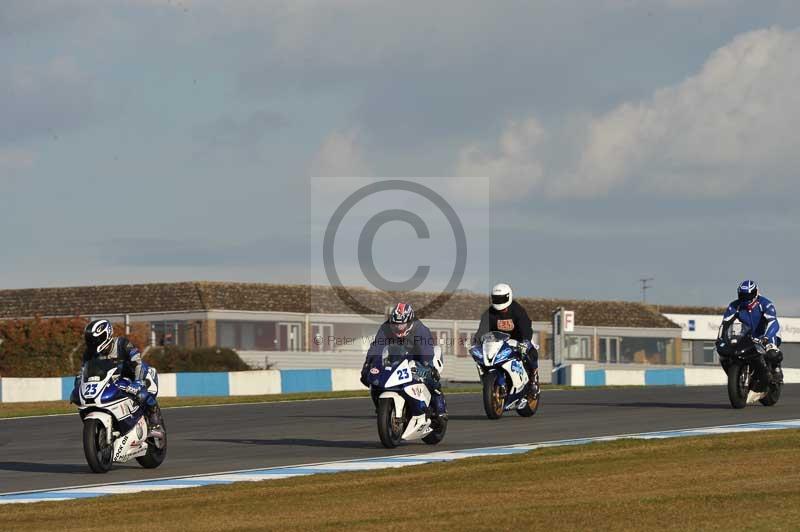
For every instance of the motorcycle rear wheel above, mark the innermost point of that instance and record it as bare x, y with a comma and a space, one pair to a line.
737, 389
96, 448
493, 397
390, 428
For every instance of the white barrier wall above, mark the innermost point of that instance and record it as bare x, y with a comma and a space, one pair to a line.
254, 382
17, 390
346, 379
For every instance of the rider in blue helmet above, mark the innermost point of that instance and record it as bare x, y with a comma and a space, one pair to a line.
758, 314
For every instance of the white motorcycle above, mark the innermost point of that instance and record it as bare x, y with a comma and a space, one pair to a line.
114, 425
404, 400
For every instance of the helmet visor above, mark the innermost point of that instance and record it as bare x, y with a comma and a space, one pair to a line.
746, 296
400, 329
500, 299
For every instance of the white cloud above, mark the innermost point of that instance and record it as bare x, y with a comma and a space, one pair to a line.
727, 129
514, 164
341, 155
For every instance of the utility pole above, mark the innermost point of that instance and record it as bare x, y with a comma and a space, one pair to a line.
645, 286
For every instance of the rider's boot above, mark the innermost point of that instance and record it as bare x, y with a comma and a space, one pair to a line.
777, 374
374, 394
439, 407
154, 420
533, 374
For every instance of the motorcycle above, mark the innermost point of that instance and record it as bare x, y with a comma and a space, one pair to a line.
114, 425
506, 384
404, 400
742, 358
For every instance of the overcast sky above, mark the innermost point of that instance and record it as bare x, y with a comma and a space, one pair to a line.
160, 140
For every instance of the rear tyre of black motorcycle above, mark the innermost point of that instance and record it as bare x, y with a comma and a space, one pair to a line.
440, 428
772, 396
493, 398
155, 454
96, 447
390, 430
737, 391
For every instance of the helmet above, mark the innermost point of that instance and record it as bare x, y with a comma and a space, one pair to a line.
98, 335
501, 296
401, 320
747, 291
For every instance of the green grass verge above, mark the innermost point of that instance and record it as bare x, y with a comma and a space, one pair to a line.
747, 481
44, 408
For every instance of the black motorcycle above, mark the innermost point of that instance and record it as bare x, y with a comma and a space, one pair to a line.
749, 373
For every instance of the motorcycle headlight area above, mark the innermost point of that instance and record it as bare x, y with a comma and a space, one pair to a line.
503, 354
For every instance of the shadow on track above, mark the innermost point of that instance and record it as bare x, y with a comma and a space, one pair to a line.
658, 404
303, 442
33, 467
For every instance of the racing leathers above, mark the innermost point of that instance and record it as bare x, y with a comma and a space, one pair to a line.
761, 319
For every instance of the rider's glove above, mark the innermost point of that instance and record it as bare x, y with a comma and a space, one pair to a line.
138, 389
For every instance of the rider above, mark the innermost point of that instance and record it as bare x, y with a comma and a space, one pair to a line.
758, 314
507, 316
403, 328
102, 344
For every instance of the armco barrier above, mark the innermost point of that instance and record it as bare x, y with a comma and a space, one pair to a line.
14, 390
579, 375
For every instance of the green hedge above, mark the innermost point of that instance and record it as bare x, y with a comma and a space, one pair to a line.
173, 359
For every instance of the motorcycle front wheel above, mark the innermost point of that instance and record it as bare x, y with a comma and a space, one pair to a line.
738, 388
493, 396
390, 428
96, 447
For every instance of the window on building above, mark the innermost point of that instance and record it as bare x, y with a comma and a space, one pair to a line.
608, 350
464, 343
168, 332
578, 347
704, 353
647, 351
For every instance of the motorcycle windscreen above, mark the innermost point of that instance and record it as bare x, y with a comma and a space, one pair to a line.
737, 331
492, 343
98, 368
393, 354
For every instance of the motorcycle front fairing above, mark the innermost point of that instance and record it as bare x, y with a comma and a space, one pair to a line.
101, 396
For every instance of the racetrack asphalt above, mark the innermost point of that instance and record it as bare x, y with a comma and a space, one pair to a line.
46, 452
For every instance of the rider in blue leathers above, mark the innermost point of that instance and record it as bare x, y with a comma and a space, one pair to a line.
102, 344
759, 315
403, 328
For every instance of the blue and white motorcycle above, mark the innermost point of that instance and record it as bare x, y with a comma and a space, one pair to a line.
404, 400
114, 425
506, 384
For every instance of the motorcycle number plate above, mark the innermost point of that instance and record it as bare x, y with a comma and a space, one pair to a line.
89, 390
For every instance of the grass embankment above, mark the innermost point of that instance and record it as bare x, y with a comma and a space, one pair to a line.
733, 482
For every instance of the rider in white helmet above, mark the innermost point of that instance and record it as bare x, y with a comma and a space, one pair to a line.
507, 316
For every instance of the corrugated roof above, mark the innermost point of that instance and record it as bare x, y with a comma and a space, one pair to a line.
204, 295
